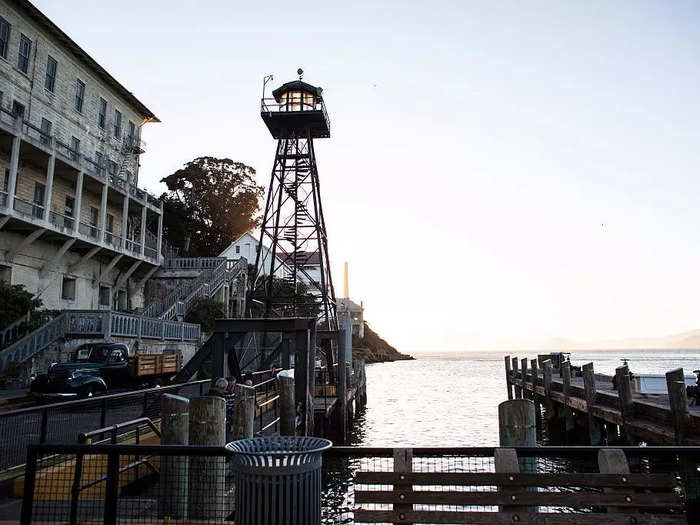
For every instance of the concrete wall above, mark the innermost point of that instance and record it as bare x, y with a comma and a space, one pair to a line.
59, 107
26, 266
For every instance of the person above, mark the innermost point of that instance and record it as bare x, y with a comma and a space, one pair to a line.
219, 387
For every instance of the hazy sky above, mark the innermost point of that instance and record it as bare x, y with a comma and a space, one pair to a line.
499, 173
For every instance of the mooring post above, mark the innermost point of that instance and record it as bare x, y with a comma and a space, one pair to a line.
509, 388
535, 395
594, 428
285, 385
678, 399
517, 427
517, 389
243, 411
523, 367
174, 429
207, 473
566, 380
535, 376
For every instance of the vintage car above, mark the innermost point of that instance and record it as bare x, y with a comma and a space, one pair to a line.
98, 367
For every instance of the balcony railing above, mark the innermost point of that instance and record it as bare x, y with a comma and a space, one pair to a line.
113, 239
62, 222
89, 230
28, 208
37, 134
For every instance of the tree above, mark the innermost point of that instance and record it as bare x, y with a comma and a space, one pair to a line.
205, 312
15, 302
211, 201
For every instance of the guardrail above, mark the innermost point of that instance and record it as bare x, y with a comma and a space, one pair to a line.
192, 263
65, 422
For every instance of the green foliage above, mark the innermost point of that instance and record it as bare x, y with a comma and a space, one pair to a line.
14, 370
284, 293
211, 201
15, 302
205, 312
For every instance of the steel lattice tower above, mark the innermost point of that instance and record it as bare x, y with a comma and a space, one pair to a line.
293, 248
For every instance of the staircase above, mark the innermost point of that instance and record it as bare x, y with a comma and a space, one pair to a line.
215, 272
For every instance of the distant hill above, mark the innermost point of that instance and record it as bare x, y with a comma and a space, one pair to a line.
681, 341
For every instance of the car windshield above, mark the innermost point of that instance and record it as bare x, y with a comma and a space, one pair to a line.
91, 354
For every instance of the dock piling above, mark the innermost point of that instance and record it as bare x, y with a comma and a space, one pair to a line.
678, 399
174, 428
517, 389
285, 381
509, 387
594, 426
243, 412
523, 367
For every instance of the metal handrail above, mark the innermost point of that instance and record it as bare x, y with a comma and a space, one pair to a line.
83, 437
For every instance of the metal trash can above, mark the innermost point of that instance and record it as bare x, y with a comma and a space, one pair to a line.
278, 480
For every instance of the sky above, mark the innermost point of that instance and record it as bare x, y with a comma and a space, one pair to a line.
499, 173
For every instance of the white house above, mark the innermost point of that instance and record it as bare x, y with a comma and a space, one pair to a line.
247, 246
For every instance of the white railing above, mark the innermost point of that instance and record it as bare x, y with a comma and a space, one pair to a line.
192, 263
96, 323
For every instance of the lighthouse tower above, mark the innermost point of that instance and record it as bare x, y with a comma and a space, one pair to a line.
292, 272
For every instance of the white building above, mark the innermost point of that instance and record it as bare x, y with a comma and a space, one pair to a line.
356, 315
75, 229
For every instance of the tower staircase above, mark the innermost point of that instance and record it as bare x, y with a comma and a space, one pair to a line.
214, 273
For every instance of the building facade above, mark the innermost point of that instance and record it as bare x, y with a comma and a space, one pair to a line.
75, 228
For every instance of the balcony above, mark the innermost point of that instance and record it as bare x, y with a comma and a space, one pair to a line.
11, 123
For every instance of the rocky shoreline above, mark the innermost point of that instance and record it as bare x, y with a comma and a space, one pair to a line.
373, 349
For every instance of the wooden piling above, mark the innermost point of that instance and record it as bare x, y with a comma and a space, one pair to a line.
506, 462
547, 377
517, 389
678, 399
285, 385
516, 423
523, 367
207, 485
174, 429
624, 392
535, 376
243, 412
613, 461
509, 387
594, 427
535, 396
565, 371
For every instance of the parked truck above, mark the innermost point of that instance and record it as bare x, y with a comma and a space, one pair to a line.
99, 367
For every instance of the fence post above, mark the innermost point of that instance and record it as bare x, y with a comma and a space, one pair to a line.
29, 482
207, 473
403, 462
678, 399
111, 489
506, 462
614, 461
508, 371
174, 428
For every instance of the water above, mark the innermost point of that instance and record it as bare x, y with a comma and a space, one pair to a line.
452, 399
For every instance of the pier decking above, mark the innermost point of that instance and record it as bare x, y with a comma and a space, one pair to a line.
583, 398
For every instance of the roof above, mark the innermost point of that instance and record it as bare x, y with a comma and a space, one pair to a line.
296, 85
80, 54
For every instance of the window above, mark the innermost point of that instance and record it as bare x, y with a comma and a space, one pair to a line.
45, 131
79, 95
17, 109
112, 167
238, 249
4, 36
75, 148
68, 289
25, 49
38, 208
6, 274
68, 211
121, 300
117, 124
51, 68
131, 133
7, 180
98, 160
102, 113
104, 295
109, 228
93, 221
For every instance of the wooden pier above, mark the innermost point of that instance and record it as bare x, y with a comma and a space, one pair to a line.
579, 402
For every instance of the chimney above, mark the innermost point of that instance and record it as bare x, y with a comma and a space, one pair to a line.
346, 287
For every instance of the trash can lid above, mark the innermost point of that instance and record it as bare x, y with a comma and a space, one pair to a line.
279, 445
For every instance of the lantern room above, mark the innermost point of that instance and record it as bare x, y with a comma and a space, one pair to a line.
296, 110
